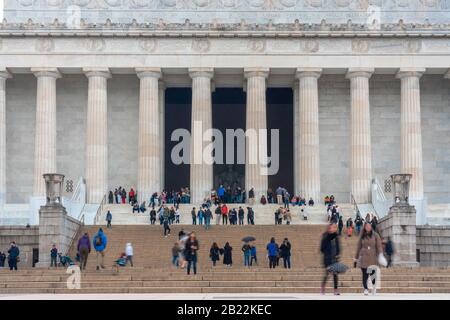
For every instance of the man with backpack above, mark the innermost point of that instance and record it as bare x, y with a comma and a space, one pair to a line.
99, 243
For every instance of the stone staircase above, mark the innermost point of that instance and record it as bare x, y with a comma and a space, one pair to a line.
153, 273
264, 214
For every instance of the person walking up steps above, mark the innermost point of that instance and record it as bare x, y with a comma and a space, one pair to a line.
214, 253
166, 227
99, 243
84, 248
108, 219
227, 255
129, 253
330, 249
191, 248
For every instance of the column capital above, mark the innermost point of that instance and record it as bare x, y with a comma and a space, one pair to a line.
97, 72
359, 73
410, 72
148, 72
256, 72
5, 74
308, 72
46, 72
201, 72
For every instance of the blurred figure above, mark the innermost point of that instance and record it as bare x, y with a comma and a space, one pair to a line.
368, 248
349, 226
175, 254
358, 224
108, 219
191, 248
340, 225
129, 253
389, 252
330, 249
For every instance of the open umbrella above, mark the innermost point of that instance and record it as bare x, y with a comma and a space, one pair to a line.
337, 267
248, 239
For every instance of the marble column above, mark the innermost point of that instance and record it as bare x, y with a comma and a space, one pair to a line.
295, 89
162, 130
201, 179
255, 121
308, 135
97, 134
4, 74
411, 132
149, 149
361, 155
45, 134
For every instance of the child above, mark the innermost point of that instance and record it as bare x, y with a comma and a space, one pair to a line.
175, 254
121, 262
53, 256
129, 253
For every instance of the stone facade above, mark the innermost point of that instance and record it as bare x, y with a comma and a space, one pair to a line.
433, 245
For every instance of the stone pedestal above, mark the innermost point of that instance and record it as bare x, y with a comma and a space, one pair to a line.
400, 224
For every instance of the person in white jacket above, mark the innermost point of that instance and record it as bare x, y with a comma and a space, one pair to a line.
129, 253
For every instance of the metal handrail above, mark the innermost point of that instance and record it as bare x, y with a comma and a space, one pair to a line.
100, 209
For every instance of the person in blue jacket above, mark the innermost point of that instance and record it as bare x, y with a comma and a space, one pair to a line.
272, 253
99, 243
13, 256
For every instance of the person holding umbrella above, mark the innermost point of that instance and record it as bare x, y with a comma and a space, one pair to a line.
330, 249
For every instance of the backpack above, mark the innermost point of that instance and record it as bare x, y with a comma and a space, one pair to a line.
98, 241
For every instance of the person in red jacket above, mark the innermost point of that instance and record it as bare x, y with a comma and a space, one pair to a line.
224, 210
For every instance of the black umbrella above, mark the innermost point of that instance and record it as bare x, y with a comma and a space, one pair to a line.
248, 239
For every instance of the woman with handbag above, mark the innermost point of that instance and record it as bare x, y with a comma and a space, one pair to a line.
368, 253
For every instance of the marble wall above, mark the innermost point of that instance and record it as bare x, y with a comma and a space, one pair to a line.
334, 102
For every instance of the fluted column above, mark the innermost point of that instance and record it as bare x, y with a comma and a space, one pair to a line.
296, 141
255, 120
149, 149
411, 133
45, 135
97, 134
4, 74
201, 167
361, 154
162, 129
308, 142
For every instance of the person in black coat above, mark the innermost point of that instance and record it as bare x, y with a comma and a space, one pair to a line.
330, 249
191, 248
227, 255
285, 253
214, 253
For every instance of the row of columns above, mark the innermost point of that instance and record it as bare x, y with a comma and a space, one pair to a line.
151, 131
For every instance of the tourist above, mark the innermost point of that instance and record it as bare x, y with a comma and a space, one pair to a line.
358, 224
83, 249
110, 197
272, 253
304, 212
224, 210
99, 243
53, 256
251, 196
246, 249
277, 214
349, 226
253, 255
171, 215
136, 207
166, 227
191, 248
218, 212
142, 208
175, 254
108, 219
131, 196
129, 253
241, 216
279, 192
311, 202
194, 216
227, 255
286, 200
250, 216
327, 200
285, 253
374, 223
152, 216
177, 215
123, 196
288, 216
182, 251
200, 216
263, 200
221, 193
13, 256
2, 260
368, 249
214, 253
330, 249
340, 225
208, 216
389, 250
